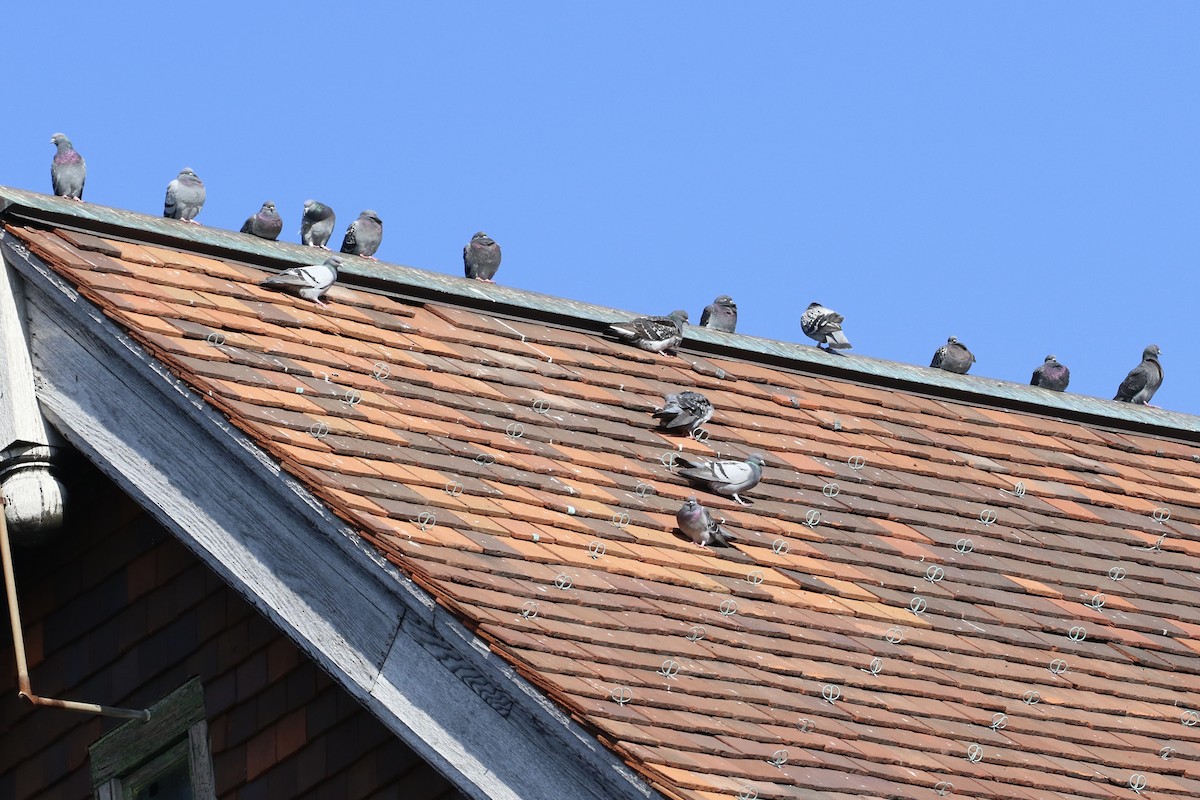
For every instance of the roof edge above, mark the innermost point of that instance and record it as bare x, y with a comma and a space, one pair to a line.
411, 283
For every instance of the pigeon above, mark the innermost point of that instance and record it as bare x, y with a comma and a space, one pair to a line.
364, 235
953, 356
696, 521
720, 315
1051, 375
67, 169
185, 197
654, 334
686, 411
317, 224
266, 224
309, 282
481, 257
825, 327
727, 478
1143, 380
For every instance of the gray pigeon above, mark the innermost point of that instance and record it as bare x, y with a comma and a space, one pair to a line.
686, 411
67, 170
317, 224
481, 257
824, 326
1051, 375
266, 224
185, 197
727, 478
696, 521
953, 356
310, 282
1143, 380
654, 334
364, 235
720, 315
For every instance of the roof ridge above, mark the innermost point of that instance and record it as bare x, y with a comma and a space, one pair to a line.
416, 283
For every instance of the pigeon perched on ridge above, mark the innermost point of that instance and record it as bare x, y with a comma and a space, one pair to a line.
697, 522
720, 315
481, 257
364, 235
310, 282
1051, 375
266, 224
726, 478
654, 334
185, 197
953, 356
824, 326
67, 169
316, 226
686, 411
1143, 380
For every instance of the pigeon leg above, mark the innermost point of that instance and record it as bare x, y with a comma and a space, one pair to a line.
740, 500
194, 222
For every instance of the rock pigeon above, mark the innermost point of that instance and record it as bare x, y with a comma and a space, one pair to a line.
364, 235
1143, 380
317, 224
266, 224
185, 197
481, 257
67, 169
824, 326
686, 411
953, 356
309, 282
727, 478
1051, 375
720, 315
655, 334
696, 521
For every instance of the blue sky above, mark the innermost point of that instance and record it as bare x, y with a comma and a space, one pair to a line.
1021, 175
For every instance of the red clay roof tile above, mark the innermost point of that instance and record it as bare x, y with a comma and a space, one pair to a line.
533, 448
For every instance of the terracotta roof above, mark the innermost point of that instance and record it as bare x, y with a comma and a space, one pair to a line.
933, 569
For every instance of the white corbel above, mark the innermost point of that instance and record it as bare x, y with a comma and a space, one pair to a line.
33, 496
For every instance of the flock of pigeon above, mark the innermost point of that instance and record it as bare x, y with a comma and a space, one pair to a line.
684, 412
481, 260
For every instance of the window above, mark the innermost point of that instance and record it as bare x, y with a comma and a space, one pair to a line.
166, 758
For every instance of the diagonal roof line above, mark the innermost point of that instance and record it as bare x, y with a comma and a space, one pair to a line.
411, 283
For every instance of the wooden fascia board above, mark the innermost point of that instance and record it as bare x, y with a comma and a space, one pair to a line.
419, 670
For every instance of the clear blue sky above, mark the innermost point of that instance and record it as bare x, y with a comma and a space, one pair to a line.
1021, 175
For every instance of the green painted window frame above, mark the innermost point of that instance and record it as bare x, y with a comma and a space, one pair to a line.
137, 751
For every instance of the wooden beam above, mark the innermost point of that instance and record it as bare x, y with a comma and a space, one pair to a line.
348, 609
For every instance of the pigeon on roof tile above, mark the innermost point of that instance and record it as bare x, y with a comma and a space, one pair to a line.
185, 197
481, 257
726, 478
953, 356
67, 169
316, 226
310, 282
697, 522
1051, 375
720, 315
266, 224
1143, 380
686, 411
654, 334
364, 235
824, 326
